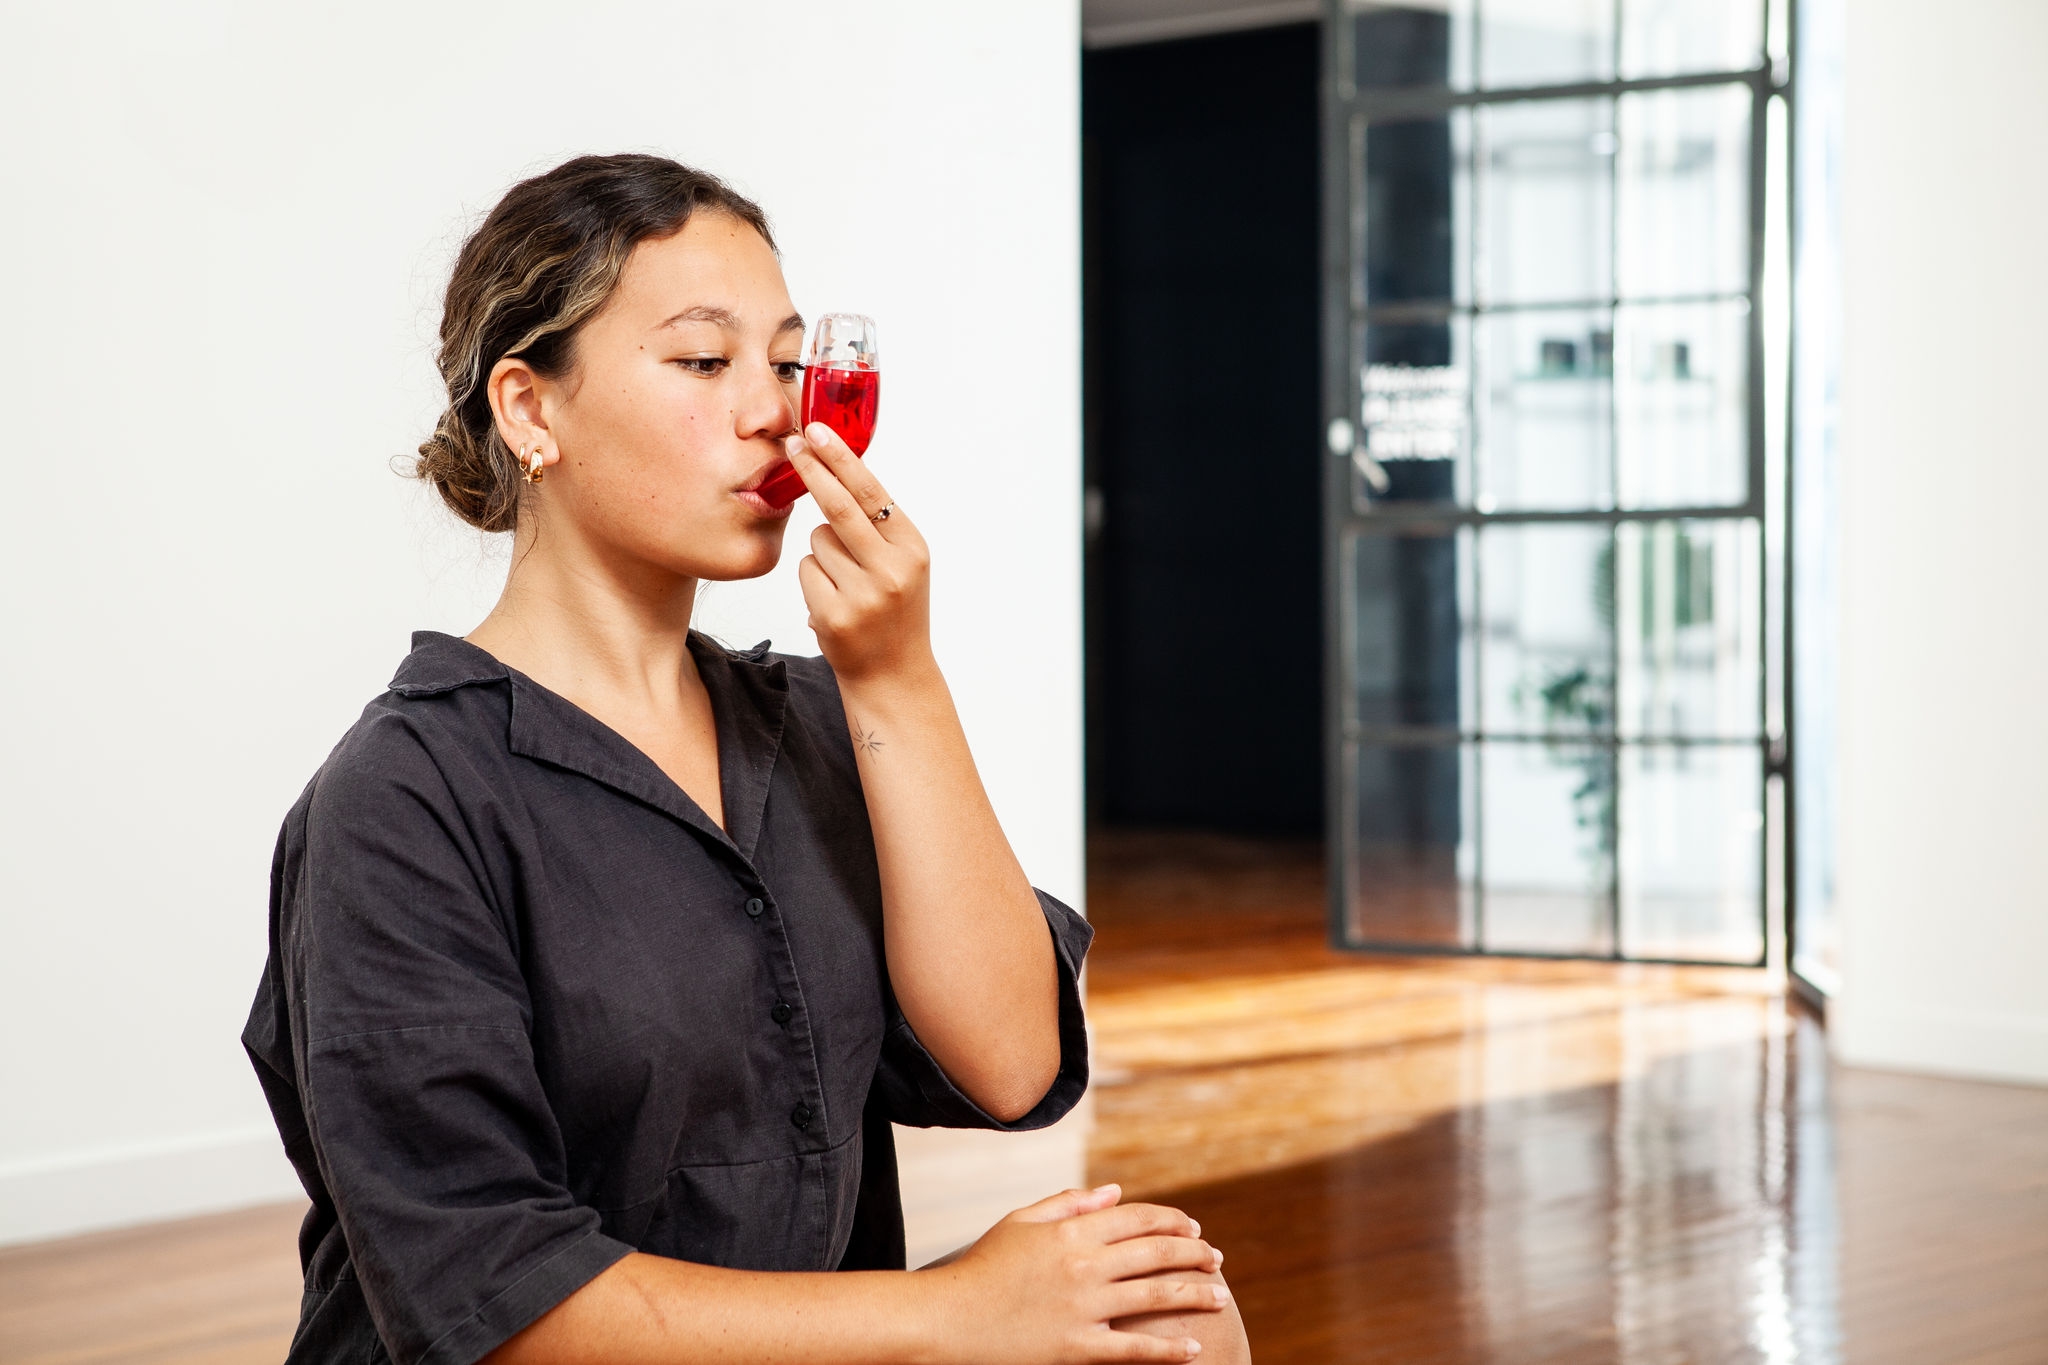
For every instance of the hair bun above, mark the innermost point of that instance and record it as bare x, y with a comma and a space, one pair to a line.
477, 487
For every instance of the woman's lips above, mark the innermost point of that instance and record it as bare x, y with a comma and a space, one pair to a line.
762, 507
771, 478
765, 473
750, 494
783, 485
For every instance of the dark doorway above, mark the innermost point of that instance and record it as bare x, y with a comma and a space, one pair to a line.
1203, 433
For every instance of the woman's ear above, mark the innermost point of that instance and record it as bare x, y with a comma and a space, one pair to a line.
514, 391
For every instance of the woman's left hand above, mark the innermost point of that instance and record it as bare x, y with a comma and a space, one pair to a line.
867, 582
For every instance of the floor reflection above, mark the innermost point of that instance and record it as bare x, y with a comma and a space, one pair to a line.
1471, 1160
1681, 1207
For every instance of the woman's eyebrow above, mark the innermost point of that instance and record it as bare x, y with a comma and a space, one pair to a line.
725, 317
705, 312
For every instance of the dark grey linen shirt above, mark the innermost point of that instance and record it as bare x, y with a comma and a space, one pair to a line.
528, 1009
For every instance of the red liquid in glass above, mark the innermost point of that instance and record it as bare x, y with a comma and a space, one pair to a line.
844, 398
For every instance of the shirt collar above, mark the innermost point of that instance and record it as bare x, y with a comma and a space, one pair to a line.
442, 663
749, 693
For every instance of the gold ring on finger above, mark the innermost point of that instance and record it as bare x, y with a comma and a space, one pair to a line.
879, 517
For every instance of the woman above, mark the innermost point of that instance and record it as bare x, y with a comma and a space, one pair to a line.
602, 957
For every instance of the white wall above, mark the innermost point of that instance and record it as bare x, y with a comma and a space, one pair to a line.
225, 231
1944, 662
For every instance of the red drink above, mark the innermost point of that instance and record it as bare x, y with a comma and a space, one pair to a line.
843, 397
844, 400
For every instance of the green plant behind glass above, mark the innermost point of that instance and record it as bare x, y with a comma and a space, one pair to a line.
1579, 700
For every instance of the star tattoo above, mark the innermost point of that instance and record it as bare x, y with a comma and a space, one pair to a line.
865, 741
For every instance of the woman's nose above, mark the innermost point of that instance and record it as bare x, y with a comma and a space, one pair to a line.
769, 408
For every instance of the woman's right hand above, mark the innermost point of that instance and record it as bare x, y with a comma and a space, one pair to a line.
1043, 1286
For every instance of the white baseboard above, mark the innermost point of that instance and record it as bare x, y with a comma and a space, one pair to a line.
144, 1183
1973, 1045
955, 1184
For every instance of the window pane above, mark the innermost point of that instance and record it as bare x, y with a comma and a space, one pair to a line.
1546, 630
1547, 853
1688, 601
1415, 185
1681, 404
1692, 828
1524, 43
1410, 46
1682, 192
1673, 37
1415, 411
1546, 411
1547, 201
1775, 376
1412, 870
1545, 42
1412, 659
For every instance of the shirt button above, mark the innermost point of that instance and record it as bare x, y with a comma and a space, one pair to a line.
780, 1014
754, 907
801, 1116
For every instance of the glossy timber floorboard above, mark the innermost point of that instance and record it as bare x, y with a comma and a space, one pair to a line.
1405, 1160
1487, 1160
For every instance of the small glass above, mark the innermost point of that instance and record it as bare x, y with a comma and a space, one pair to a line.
842, 389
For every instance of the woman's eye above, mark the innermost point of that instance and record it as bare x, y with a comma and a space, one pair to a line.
707, 365
789, 371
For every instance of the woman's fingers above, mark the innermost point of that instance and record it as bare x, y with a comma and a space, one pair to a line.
852, 473
880, 612
820, 592
1139, 1220
1162, 1294
1156, 1255
1074, 1276
832, 555
1068, 1204
838, 504
842, 507
1137, 1346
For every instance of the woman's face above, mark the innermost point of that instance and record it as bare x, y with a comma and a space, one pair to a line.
682, 387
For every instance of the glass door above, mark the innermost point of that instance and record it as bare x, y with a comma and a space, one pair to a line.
1555, 322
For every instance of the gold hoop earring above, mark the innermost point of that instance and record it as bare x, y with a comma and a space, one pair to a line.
533, 466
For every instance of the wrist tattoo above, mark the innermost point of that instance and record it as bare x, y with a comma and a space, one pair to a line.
865, 741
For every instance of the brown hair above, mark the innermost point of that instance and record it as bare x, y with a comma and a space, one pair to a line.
543, 263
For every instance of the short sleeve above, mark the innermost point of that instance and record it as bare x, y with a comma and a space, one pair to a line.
410, 1023
916, 1090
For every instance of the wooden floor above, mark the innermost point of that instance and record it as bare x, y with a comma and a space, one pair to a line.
1412, 1160
1443, 1160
